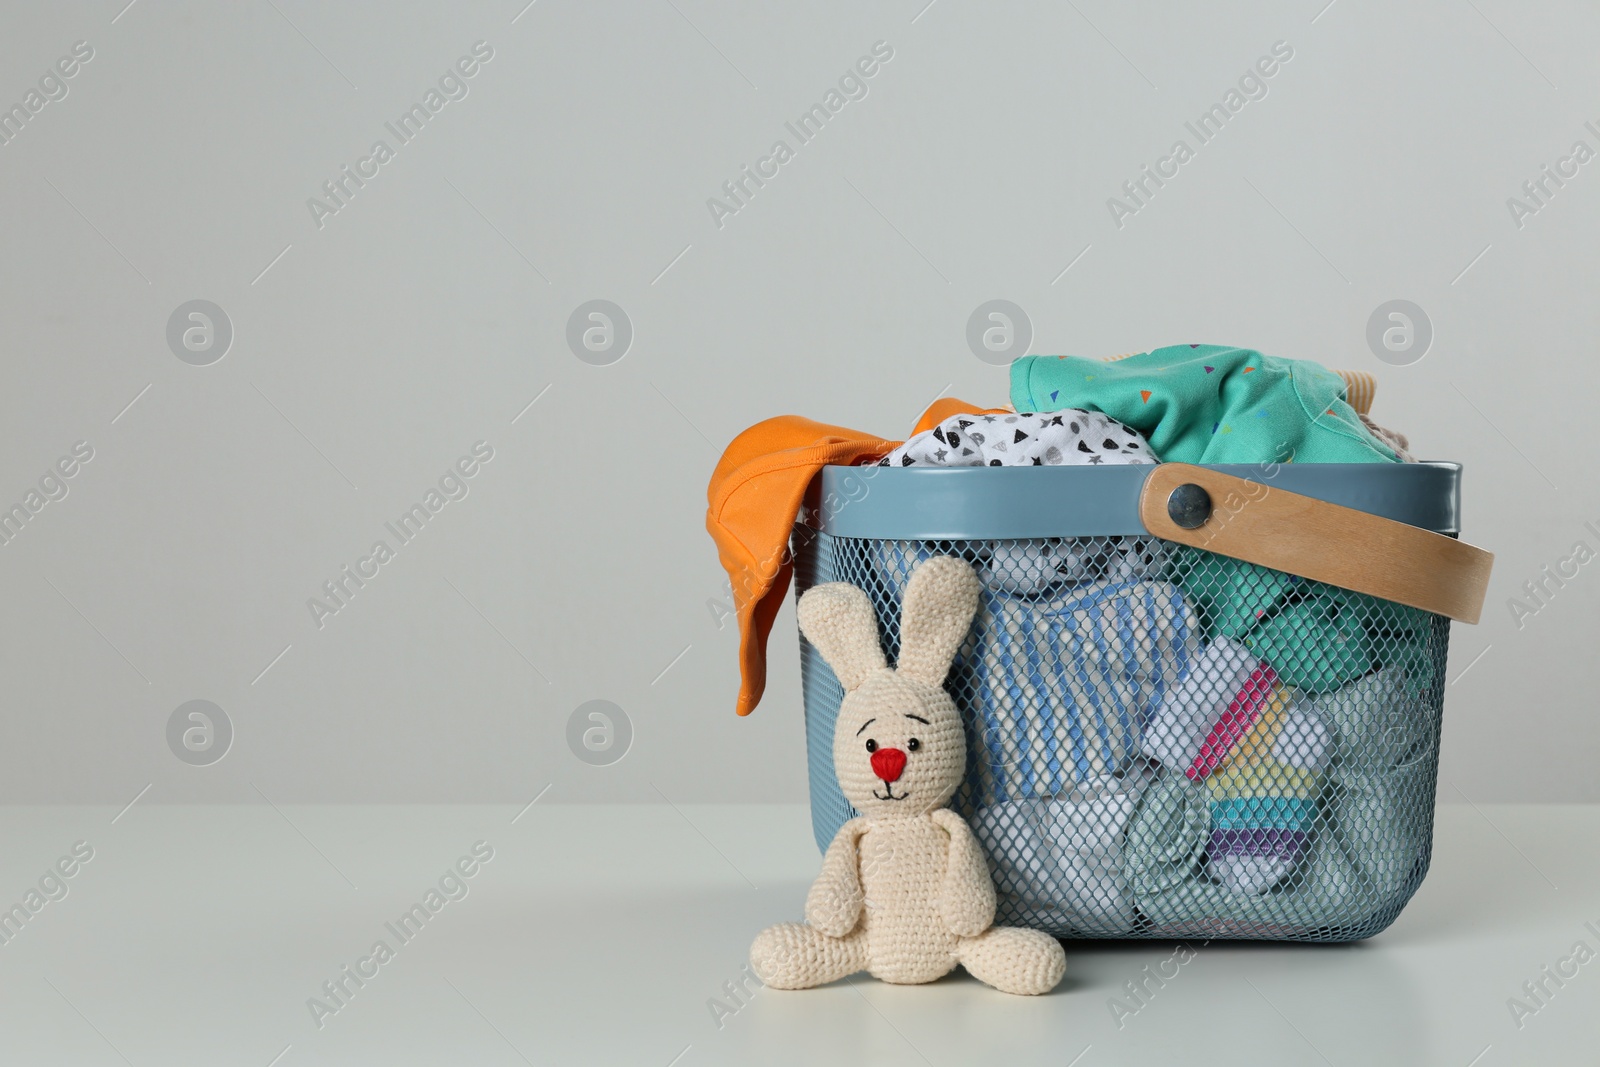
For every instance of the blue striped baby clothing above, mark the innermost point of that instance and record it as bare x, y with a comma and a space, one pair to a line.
1065, 684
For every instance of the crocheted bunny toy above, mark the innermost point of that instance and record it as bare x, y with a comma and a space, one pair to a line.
905, 891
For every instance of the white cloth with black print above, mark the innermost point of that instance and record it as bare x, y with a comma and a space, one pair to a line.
1070, 437
1040, 439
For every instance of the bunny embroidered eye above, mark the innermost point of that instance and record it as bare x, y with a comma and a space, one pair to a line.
913, 744
872, 746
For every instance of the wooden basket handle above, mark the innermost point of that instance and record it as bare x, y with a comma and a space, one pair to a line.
1323, 542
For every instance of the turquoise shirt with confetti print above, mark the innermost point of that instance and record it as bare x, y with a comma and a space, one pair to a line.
1209, 404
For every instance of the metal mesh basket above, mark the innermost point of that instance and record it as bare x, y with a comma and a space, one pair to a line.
1161, 741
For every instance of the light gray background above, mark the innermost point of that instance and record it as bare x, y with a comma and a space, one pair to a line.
429, 312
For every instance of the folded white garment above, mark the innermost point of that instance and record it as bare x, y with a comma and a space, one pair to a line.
1303, 740
1192, 707
1062, 856
1251, 874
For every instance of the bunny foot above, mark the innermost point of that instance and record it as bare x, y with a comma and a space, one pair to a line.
1014, 960
797, 956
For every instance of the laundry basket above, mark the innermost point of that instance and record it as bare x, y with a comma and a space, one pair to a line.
1200, 702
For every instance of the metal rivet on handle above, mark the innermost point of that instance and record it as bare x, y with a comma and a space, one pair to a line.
1189, 506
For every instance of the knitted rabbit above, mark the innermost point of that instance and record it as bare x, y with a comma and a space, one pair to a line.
905, 891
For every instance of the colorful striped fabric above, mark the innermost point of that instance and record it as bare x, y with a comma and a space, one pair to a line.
1243, 712
1262, 813
1263, 791
1360, 388
1193, 708
1066, 683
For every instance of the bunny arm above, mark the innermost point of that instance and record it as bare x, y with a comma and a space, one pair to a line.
834, 903
966, 897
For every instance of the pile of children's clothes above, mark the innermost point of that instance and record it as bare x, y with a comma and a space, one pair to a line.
1156, 731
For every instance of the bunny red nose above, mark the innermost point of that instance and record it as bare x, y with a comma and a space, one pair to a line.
887, 763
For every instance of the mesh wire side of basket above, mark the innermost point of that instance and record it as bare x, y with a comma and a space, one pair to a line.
1307, 813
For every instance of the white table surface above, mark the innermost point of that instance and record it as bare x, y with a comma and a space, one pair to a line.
600, 935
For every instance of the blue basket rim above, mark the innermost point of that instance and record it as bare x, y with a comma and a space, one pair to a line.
1008, 503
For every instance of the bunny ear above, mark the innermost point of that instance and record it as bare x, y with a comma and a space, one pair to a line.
941, 599
838, 619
